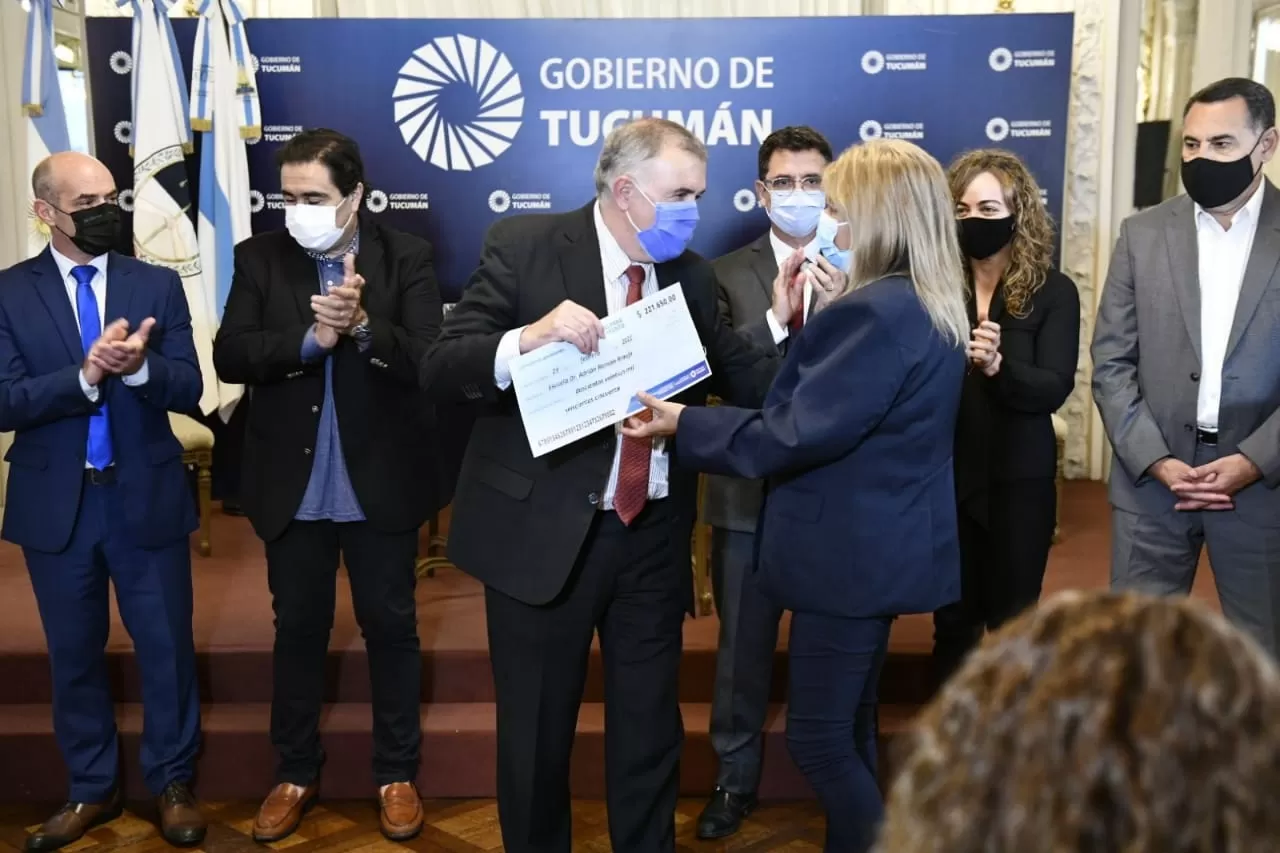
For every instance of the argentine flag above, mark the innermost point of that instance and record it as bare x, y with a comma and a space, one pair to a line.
42, 102
224, 109
163, 232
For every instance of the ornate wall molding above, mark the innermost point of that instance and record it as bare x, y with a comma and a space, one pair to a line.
1081, 241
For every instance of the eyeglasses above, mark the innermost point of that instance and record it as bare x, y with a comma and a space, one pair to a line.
786, 183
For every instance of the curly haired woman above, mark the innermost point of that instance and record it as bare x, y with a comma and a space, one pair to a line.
1023, 352
1097, 723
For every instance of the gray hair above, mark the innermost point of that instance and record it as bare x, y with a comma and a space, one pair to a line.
632, 144
43, 185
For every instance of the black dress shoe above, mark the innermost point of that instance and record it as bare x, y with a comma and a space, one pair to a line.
723, 816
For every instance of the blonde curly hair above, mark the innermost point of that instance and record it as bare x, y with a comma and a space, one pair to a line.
1098, 723
1031, 250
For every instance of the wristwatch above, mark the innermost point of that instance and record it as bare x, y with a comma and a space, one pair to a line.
361, 333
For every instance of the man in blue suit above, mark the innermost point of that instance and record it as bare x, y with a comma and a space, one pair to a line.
95, 351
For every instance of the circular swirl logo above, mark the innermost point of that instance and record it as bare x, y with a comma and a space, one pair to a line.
873, 62
123, 132
1001, 59
257, 201
121, 62
377, 201
744, 200
997, 129
499, 201
870, 129
125, 200
458, 103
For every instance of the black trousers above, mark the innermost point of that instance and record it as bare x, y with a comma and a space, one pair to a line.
626, 586
744, 660
1002, 564
302, 567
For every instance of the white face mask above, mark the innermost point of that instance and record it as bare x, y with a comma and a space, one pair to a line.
315, 226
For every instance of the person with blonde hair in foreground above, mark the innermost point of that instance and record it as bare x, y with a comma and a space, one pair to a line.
855, 438
1098, 723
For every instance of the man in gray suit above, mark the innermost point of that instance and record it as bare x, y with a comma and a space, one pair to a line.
1187, 368
756, 302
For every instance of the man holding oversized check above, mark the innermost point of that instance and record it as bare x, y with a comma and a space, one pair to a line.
572, 528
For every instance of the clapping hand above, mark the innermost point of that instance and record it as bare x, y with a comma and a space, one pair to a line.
338, 311
117, 352
828, 281
788, 290
102, 358
983, 348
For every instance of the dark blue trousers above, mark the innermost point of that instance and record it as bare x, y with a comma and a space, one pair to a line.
831, 720
153, 592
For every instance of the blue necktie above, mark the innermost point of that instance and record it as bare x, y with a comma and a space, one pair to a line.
99, 450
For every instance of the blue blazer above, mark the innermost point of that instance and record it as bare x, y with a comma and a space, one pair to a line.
855, 439
42, 403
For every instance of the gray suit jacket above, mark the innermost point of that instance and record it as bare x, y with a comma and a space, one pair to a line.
1146, 355
745, 281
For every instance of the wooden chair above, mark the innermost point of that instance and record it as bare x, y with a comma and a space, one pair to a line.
704, 602
197, 452
1060, 434
436, 546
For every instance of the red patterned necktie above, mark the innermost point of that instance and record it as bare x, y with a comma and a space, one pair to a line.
633, 469
797, 319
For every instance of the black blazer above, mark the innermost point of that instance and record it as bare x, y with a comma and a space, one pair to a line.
1005, 431
517, 522
384, 419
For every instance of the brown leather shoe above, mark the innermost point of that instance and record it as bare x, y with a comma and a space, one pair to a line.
72, 821
401, 811
282, 811
181, 823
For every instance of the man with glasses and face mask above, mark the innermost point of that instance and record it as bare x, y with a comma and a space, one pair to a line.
594, 536
95, 351
765, 300
326, 323
1185, 369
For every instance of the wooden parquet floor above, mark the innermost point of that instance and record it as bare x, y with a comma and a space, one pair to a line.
455, 826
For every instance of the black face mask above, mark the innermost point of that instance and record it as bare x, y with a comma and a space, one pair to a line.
97, 228
1213, 183
981, 238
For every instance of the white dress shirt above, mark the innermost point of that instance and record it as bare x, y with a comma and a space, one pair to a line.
99, 285
781, 251
613, 264
1224, 253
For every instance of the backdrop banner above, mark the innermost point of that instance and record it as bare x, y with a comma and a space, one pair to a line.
464, 121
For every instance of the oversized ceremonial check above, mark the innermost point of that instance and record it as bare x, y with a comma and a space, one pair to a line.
651, 345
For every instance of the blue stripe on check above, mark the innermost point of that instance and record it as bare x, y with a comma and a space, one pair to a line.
669, 387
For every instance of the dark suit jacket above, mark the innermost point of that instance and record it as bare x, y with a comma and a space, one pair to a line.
517, 522
855, 438
383, 418
1005, 428
42, 403
744, 279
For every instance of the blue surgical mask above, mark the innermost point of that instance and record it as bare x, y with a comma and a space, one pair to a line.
672, 228
826, 238
796, 212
